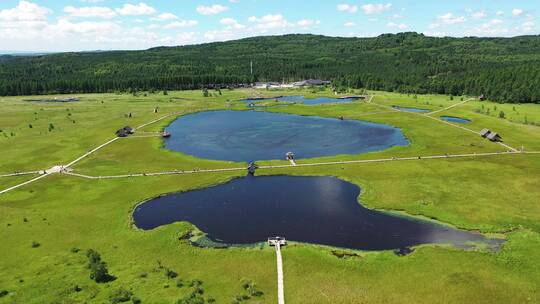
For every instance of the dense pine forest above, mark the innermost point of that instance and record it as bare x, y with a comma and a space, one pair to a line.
503, 69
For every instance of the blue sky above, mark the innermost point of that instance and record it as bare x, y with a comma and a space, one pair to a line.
61, 25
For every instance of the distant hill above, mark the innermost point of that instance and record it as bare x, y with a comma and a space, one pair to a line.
504, 69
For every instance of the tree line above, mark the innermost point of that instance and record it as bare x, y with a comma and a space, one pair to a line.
502, 69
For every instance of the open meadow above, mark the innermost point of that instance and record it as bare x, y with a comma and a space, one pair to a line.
47, 226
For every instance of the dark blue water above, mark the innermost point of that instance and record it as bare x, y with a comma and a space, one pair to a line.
414, 110
455, 119
318, 210
302, 99
252, 135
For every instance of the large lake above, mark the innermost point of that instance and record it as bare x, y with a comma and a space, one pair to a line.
252, 135
318, 210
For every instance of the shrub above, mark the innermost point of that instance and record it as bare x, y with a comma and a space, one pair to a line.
98, 268
191, 299
171, 274
3, 293
35, 244
121, 295
179, 283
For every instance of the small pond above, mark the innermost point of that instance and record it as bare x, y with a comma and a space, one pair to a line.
304, 100
317, 210
414, 110
455, 119
252, 135
71, 99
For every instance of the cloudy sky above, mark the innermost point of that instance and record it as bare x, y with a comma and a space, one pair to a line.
61, 25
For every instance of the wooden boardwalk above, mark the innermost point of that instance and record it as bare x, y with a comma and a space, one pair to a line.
281, 287
299, 165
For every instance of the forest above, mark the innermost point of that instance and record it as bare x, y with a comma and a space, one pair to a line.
502, 69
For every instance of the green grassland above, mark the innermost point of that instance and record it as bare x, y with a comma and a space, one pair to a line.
492, 194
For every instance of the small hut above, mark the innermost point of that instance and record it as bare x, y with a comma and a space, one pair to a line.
277, 240
484, 133
494, 137
289, 156
252, 167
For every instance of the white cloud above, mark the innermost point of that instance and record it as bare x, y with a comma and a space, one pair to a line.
211, 10
527, 27
231, 23
65, 26
479, 14
136, 9
349, 24
185, 38
25, 12
219, 35
165, 17
307, 23
371, 9
270, 22
450, 18
398, 26
181, 24
90, 12
499, 13
517, 12
347, 8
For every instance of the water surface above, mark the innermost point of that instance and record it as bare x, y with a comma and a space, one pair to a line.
317, 210
304, 100
414, 110
455, 119
253, 135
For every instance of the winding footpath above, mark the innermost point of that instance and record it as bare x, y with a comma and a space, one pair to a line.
427, 115
299, 165
450, 107
66, 169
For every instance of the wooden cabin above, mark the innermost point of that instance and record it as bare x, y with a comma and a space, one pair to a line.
484, 133
494, 137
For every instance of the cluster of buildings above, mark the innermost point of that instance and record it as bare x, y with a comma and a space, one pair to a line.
298, 84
